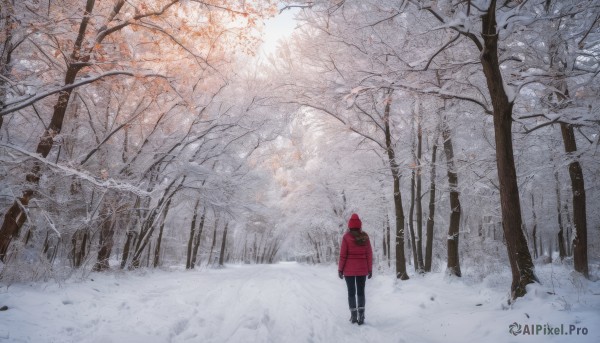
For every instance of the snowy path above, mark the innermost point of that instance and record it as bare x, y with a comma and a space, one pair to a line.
286, 302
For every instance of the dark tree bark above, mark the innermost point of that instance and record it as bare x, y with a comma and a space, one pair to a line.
431, 214
550, 247
46, 244
384, 244
569, 223
453, 266
79, 242
398, 211
107, 230
198, 239
223, 245
534, 231
411, 225
129, 242
418, 206
255, 250
7, 25
131, 233
560, 236
214, 241
388, 238
188, 263
516, 244
156, 260
148, 254
580, 255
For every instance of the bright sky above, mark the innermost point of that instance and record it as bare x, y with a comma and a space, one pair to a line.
276, 28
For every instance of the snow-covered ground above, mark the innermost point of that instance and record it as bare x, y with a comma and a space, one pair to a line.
289, 302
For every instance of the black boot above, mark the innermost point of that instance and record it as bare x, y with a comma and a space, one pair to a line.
353, 312
361, 310
353, 316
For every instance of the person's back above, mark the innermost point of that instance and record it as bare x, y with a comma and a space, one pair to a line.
355, 265
356, 260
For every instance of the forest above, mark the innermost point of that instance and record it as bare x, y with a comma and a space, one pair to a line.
150, 134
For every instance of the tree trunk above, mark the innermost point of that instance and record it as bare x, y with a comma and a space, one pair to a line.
107, 231
453, 266
580, 255
148, 254
551, 248
223, 245
384, 244
315, 244
129, 242
274, 252
131, 234
418, 206
534, 231
399, 212
7, 25
79, 245
255, 250
214, 241
46, 244
84, 245
198, 239
411, 226
560, 236
16, 215
568, 242
516, 244
160, 234
188, 262
388, 238
431, 214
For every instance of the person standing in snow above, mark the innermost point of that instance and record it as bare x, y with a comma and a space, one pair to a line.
356, 265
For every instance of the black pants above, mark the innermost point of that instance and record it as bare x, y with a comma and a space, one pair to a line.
356, 289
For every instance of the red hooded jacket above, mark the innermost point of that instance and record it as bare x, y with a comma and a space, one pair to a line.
355, 260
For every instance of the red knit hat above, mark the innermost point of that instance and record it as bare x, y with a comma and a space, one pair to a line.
354, 222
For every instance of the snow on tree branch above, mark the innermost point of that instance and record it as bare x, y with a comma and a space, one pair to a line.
22, 103
104, 183
442, 93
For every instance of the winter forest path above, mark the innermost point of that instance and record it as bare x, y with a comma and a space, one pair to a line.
285, 302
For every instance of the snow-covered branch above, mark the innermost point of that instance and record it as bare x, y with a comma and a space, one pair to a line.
445, 94
439, 51
448, 23
35, 98
108, 183
289, 7
341, 120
